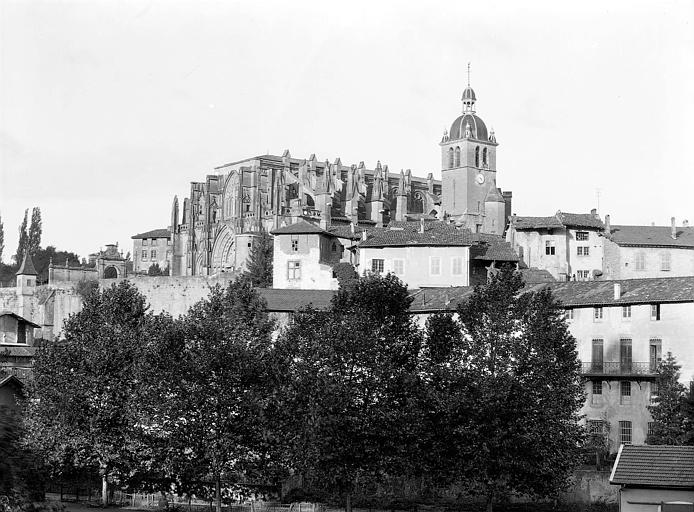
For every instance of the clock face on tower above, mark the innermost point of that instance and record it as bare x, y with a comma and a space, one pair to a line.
480, 178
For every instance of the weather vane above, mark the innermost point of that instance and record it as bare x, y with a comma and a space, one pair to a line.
468, 74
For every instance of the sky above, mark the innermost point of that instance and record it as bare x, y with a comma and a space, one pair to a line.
109, 108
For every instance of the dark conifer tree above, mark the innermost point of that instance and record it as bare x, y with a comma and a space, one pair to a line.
35, 230
23, 239
259, 262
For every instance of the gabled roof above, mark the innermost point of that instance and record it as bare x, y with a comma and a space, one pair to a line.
654, 466
18, 317
655, 290
27, 267
155, 233
652, 236
559, 220
407, 234
493, 248
293, 300
536, 275
300, 228
11, 379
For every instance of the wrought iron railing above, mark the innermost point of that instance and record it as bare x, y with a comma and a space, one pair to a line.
617, 368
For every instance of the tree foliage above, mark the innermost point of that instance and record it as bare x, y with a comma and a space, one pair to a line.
351, 385
155, 270
213, 407
35, 230
23, 239
259, 263
506, 391
673, 421
84, 397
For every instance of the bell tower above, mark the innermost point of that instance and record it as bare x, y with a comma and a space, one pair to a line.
468, 165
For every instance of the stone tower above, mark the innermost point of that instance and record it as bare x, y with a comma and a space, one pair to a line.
468, 166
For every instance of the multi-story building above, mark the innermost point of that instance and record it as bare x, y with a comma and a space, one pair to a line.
152, 247
633, 252
269, 192
568, 245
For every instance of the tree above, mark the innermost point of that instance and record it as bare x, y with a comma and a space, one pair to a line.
83, 407
35, 230
351, 376
2, 238
345, 273
215, 401
23, 239
43, 257
155, 270
510, 392
669, 412
259, 262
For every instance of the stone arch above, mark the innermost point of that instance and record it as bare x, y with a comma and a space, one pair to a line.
231, 195
418, 202
477, 156
457, 156
450, 158
110, 272
223, 250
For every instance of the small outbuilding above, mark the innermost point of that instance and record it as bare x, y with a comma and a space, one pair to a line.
654, 478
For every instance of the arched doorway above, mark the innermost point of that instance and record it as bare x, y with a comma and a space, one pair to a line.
110, 273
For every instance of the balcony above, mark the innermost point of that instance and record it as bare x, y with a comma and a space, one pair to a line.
619, 370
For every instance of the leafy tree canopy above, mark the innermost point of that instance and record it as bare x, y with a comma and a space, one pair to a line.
673, 418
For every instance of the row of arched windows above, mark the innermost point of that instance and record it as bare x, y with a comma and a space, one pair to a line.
454, 157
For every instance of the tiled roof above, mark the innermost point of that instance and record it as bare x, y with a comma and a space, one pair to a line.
652, 236
293, 300
155, 233
429, 300
345, 231
10, 379
19, 350
300, 228
27, 268
536, 275
654, 466
559, 220
493, 250
633, 291
435, 234
18, 317
537, 223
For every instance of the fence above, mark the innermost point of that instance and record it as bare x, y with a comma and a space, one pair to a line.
144, 501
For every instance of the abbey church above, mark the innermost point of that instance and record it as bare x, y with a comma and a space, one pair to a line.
213, 230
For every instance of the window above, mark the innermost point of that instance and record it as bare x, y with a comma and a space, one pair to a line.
651, 428
626, 312
625, 391
168, 241
597, 314
596, 427
654, 391
145, 241
597, 387
625, 355
456, 266
435, 266
597, 354
665, 261
153, 254
450, 158
295, 245
583, 275
477, 156
549, 248
398, 267
144, 254
640, 261
485, 160
293, 270
333, 247
583, 250
457, 157
581, 236
655, 311
655, 353
625, 432
377, 266
569, 314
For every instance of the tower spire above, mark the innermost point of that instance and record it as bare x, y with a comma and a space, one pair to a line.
468, 74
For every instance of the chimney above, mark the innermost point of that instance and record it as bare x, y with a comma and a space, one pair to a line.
421, 225
617, 291
673, 229
363, 235
608, 226
685, 223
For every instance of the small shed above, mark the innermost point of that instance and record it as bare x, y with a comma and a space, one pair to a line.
654, 478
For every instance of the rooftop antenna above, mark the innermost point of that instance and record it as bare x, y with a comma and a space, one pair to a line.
468, 74
597, 195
